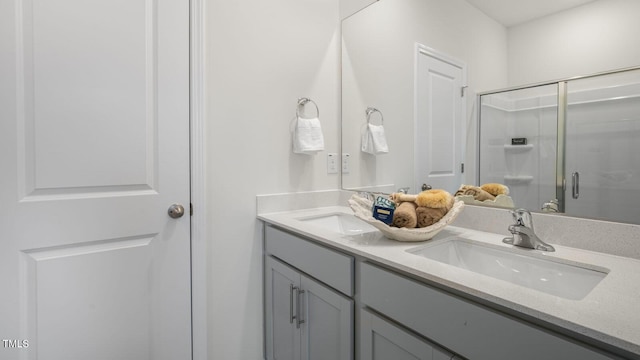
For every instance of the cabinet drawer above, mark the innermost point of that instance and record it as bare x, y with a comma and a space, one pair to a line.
329, 266
469, 329
382, 340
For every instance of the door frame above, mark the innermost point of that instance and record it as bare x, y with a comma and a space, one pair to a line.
197, 98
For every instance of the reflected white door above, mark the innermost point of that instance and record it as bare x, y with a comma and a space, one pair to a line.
94, 131
439, 120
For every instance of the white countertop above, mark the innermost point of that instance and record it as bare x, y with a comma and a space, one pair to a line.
610, 313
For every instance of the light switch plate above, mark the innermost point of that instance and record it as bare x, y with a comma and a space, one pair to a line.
345, 163
332, 163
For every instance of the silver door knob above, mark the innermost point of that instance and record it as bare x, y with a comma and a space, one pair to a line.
176, 211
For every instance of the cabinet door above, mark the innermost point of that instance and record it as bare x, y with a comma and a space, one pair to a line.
382, 340
470, 329
327, 331
282, 337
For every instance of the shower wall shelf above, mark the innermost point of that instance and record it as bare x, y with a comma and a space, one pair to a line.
518, 148
518, 179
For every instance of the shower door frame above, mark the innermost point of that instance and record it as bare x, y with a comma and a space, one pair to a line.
562, 84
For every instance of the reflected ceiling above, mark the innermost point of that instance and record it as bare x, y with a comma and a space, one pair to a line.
514, 12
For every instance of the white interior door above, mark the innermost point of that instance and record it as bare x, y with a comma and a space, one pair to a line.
439, 121
94, 130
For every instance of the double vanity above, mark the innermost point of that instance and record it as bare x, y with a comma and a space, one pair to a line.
336, 288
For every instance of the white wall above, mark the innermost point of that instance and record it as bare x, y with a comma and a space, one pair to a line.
595, 37
379, 54
261, 57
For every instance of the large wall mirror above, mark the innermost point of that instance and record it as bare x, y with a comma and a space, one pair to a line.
408, 64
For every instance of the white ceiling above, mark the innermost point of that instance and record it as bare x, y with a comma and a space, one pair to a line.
514, 12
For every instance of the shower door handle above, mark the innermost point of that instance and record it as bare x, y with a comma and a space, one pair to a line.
575, 185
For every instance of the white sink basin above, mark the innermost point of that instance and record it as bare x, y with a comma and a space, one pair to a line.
570, 281
341, 223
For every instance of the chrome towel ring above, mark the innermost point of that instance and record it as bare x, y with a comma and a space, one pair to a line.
302, 102
370, 111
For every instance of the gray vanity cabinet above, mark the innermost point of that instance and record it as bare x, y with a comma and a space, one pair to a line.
304, 318
311, 292
383, 340
465, 327
282, 336
328, 316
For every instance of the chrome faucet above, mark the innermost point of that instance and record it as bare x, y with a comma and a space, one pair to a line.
551, 206
367, 195
523, 234
404, 190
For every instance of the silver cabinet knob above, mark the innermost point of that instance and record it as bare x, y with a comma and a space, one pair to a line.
176, 211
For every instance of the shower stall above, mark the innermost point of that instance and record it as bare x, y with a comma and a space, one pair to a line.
576, 141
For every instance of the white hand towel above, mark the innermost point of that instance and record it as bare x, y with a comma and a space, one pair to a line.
374, 140
307, 136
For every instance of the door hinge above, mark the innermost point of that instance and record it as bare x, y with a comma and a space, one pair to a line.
190, 209
462, 90
462, 168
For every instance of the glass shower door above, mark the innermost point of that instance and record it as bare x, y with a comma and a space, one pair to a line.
602, 151
518, 139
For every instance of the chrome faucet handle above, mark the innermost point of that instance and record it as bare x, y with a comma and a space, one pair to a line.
367, 195
551, 206
522, 217
523, 234
517, 219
